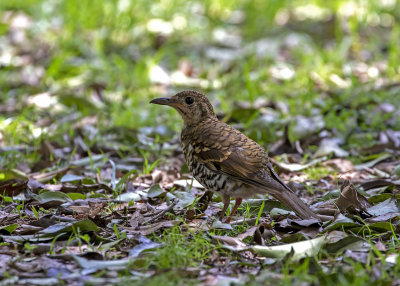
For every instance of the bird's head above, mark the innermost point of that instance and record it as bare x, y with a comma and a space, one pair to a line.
193, 106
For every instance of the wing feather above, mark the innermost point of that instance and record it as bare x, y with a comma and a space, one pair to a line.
237, 156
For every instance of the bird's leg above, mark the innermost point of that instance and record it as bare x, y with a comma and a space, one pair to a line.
226, 200
235, 207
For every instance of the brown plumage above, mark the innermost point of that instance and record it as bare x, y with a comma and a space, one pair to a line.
224, 160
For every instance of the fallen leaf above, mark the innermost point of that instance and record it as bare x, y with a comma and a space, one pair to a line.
358, 256
248, 233
9, 228
230, 243
300, 250
297, 167
145, 244
341, 222
100, 264
351, 201
263, 232
70, 178
329, 146
48, 196
372, 163
185, 199
127, 197
188, 182
83, 225
217, 224
338, 241
385, 217
385, 207
155, 191
392, 258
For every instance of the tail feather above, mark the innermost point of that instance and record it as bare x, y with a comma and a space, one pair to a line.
287, 197
293, 202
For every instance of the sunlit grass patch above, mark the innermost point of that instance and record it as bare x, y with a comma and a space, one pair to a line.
317, 172
179, 249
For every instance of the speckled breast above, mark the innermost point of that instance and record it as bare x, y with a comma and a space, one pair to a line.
208, 178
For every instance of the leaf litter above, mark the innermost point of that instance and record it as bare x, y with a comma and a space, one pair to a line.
130, 220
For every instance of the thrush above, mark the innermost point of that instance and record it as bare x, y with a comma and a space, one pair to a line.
226, 161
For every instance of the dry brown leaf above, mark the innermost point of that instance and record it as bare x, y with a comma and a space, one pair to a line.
351, 201
263, 232
249, 232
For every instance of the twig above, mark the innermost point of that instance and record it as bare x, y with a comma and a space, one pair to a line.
160, 214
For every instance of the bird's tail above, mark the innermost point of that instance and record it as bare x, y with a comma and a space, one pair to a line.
290, 200
287, 197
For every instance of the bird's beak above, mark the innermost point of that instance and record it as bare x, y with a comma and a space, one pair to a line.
162, 101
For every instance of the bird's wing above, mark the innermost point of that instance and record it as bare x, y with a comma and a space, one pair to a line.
226, 150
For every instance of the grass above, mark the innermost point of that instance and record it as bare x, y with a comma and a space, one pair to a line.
96, 49
179, 250
168, 278
317, 172
183, 250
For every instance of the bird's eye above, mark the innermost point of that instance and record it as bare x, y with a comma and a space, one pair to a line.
189, 100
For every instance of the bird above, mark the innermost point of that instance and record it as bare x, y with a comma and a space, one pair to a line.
224, 160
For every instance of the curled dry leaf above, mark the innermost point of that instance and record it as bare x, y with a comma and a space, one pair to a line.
263, 232
351, 201
248, 233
